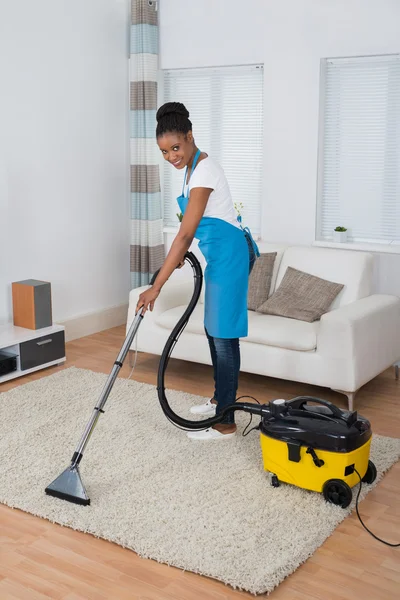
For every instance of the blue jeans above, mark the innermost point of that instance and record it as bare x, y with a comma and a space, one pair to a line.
225, 356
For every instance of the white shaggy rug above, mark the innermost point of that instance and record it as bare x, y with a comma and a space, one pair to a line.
206, 508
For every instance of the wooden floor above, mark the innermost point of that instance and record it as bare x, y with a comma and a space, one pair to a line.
39, 559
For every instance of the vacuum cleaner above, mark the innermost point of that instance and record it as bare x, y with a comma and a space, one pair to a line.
319, 448
306, 442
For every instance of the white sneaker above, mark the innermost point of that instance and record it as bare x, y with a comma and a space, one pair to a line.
209, 434
207, 409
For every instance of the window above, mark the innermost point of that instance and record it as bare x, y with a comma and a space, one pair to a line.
359, 151
226, 109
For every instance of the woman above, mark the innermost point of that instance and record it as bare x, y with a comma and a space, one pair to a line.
230, 252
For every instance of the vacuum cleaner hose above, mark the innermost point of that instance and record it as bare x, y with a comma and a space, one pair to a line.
165, 356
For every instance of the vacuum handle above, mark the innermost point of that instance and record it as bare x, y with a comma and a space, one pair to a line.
302, 400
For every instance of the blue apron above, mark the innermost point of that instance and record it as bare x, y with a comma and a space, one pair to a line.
226, 276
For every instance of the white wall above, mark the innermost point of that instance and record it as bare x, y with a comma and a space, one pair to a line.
289, 37
64, 202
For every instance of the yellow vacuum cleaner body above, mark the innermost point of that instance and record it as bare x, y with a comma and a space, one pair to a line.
316, 447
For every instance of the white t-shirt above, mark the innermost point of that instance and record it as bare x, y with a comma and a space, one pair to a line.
209, 174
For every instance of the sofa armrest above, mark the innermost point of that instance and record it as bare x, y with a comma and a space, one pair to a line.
173, 293
364, 333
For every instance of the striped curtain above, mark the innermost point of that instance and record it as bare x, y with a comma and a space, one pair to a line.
147, 244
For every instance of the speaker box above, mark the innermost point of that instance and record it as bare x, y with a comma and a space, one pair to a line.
32, 304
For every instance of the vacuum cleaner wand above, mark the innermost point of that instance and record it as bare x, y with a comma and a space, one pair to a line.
68, 485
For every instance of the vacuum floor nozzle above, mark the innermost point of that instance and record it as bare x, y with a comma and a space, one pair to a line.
69, 486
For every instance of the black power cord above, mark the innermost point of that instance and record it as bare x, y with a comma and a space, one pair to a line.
251, 417
361, 521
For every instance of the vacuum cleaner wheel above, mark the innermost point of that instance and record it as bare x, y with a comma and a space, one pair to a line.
274, 480
337, 492
370, 475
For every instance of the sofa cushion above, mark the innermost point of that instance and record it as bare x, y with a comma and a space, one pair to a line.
353, 269
301, 296
260, 280
281, 332
263, 329
169, 318
267, 247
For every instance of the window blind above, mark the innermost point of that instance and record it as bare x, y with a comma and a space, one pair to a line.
226, 109
359, 157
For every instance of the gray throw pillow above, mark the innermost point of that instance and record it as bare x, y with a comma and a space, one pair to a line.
301, 296
260, 280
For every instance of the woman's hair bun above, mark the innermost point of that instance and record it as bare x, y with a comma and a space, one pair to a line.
169, 108
172, 117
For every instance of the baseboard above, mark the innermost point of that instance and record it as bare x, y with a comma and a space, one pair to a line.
88, 324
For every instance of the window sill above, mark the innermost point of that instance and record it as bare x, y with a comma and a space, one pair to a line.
364, 246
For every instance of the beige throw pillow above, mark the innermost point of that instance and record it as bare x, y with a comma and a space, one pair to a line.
260, 280
301, 296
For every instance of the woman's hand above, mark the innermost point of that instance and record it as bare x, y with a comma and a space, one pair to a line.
147, 299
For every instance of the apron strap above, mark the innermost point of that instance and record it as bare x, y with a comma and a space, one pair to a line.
253, 243
196, 158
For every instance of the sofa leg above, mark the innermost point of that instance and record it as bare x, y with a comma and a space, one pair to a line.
396, 370
350, 398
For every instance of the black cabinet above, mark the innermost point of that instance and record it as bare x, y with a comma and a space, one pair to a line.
41, 350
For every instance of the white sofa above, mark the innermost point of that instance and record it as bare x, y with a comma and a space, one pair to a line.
352, 343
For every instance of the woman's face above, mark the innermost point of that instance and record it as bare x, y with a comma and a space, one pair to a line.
176, 148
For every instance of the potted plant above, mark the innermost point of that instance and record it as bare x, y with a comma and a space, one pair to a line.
340, 234
180, 217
